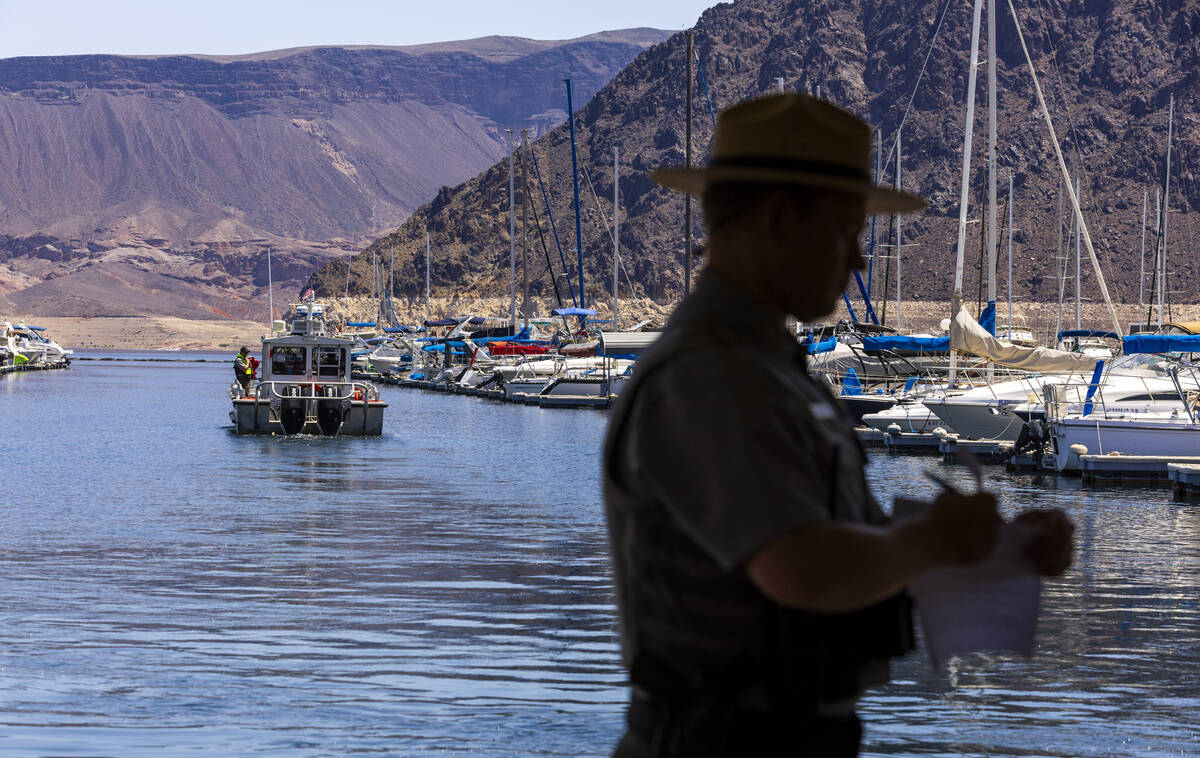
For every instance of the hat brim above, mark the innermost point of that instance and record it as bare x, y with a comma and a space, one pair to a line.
697, 180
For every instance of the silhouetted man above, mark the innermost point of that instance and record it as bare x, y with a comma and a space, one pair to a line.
761, 589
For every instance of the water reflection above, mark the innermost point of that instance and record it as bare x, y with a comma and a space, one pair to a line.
171, 587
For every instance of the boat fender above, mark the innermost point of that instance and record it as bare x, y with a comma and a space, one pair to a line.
358, 394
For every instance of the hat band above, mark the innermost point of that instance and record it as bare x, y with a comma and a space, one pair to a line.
791, 164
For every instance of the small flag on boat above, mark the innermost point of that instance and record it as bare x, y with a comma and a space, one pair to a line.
307, 293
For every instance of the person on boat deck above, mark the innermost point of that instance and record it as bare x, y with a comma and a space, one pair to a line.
760, 587
243, 369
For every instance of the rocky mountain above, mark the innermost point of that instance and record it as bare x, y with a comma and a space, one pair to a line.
136, 185
1108, 69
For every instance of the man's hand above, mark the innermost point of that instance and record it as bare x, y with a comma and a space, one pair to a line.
962, 529
1051, 549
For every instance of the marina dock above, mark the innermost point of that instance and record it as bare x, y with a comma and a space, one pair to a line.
11, 368
599, 402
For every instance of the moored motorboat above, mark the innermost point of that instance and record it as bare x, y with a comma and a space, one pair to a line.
28, 344
306, 386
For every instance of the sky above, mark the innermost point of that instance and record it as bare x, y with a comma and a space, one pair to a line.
234, 27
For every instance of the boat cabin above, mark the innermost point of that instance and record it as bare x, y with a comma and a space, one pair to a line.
306, 353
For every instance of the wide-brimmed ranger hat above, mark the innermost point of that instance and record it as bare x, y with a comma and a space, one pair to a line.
791, 139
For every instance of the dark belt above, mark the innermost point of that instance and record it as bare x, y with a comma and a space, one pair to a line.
701, 730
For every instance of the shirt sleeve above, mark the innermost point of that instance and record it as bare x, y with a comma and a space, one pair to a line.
731, 452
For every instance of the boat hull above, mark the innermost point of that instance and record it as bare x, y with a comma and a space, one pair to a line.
975, 420
1165, 436
307, 415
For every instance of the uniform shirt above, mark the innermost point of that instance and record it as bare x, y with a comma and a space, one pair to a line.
721, 445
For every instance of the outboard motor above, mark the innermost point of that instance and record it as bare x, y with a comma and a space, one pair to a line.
292, 410
330, 416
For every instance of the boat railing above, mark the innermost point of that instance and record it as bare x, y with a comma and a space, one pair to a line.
325, 390
1080, 398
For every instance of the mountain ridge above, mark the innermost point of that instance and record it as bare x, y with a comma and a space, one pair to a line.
190, 169
1107, 67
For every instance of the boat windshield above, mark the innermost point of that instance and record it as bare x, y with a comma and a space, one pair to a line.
1151, 364
287, 361
327, 361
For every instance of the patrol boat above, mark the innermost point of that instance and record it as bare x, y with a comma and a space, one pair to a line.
306, 385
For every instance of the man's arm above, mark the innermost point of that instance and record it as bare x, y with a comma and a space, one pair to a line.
836, 567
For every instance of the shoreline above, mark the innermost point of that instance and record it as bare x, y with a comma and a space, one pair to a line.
171, 334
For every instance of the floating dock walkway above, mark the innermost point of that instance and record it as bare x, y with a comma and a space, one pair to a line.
11, 368
600, 402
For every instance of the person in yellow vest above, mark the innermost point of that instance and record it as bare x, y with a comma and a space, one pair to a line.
243, 369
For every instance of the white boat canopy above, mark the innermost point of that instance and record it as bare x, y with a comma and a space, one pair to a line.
967, 336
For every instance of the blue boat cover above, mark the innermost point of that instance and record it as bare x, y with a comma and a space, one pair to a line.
572, 312
987, 319
901, 342
1088, 333
850, 384
397, 329
1092, 387
1161, 343
816, 348
361, 323
455, 347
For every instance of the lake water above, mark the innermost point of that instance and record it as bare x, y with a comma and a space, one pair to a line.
170, 588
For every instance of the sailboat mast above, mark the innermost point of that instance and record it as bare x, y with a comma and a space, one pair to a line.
1062, 165
1166, 207
427, 276
956, 300
1062, 266
687, 199
575, 182
1158, 253
991, 150
966, 164
1142, 269
524, 229
512, 239
1010, 240
871, 260
1079, 257
1156, 295
616, 231
899, 244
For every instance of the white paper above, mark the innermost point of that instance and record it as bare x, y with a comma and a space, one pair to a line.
989, 606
